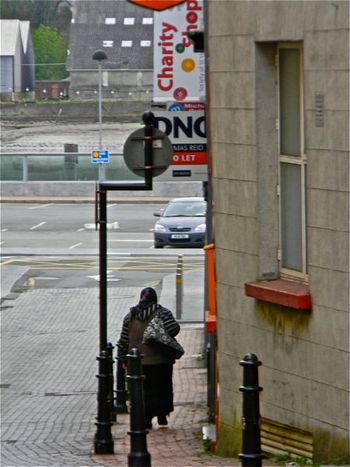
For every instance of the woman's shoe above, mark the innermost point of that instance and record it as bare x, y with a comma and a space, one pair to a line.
162, 420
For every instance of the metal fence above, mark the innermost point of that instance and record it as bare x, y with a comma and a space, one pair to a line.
71, 166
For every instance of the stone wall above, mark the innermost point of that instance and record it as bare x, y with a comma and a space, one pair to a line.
113, 110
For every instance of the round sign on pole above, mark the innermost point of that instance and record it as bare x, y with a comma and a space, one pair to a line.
134, 152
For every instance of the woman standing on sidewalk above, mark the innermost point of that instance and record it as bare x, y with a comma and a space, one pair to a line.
157, 367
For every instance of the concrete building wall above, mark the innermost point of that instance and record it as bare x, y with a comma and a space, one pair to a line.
305, 355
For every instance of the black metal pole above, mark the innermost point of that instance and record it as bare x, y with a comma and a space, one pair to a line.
103, 442
251, 455
113, 410
103, 438
121, 406
148, 119
103, 267
138, 455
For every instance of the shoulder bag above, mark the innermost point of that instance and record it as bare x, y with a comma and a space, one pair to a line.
156, 335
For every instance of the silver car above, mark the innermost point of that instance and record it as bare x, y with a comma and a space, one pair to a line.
181, 223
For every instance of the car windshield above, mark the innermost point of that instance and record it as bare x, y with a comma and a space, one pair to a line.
185, 209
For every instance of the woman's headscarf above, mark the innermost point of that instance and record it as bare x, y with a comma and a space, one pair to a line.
146, 305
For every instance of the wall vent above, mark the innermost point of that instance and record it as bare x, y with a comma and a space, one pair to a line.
278, 439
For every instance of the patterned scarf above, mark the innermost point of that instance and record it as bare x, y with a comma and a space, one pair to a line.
147, 304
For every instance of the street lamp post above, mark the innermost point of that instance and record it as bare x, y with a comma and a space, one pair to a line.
99, 56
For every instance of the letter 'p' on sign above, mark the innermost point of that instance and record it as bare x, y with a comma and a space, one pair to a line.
158, 5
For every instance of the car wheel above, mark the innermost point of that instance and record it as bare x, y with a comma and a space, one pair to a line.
156, 245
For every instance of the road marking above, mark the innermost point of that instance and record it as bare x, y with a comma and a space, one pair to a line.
1, 243
4, 230
111, 205
38, 225
128, 240
74, 246
46, 278
111, 226
41, 206
31, 282
80, 230
110, 277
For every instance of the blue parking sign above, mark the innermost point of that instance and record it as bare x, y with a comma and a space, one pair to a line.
100, 157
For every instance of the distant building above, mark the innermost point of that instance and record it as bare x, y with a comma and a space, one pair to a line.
16, 58
125, 32
51, 89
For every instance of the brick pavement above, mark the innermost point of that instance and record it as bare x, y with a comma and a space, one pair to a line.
180, 444
48, 385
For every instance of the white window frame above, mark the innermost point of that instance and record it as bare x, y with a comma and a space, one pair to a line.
147, 20
296, 160
127, 43
145, 43
110, 21
108, 43
129, 21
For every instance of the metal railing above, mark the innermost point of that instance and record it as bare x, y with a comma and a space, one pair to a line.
72, 166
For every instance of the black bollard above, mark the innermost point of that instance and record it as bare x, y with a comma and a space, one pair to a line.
120, 404
138, 455
251, 455
113, 410
103, 442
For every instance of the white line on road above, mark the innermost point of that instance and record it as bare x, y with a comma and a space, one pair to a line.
74, 246
113, 226
111, 205
38, 225
4, 230
80, 230
129, 240
41, 206
46, 278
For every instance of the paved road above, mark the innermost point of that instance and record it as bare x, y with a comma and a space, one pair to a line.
72, 226
54, 228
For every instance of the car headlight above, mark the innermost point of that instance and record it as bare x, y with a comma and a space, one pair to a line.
159, 228
200, 228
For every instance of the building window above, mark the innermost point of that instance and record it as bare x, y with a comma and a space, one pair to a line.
292, 161
108, 43
110, 21
129, 21
145, 43
147, 20
126, 43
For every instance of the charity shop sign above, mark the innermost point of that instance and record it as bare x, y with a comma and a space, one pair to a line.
179, 72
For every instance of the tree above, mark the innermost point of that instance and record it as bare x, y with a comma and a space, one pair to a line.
54, 13
50, 50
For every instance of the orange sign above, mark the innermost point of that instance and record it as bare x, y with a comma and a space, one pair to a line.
158, 5
185, 158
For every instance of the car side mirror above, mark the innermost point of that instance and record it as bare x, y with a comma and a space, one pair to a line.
159, 213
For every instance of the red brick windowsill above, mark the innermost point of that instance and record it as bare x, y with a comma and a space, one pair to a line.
282, 292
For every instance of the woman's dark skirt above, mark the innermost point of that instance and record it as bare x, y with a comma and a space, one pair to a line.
158, 390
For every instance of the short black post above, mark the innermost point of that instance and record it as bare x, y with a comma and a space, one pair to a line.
251, 455
113, 411
104, 443
120, 404
138, 455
